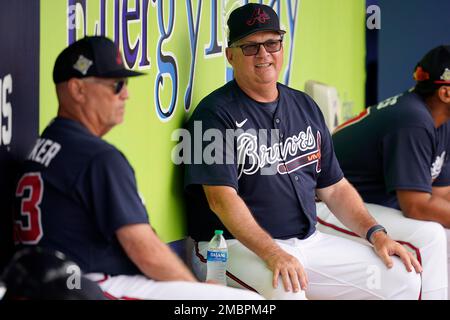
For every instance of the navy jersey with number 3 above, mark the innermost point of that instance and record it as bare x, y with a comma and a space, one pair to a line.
75, 192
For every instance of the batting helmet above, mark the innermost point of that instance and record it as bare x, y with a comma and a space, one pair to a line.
43, 274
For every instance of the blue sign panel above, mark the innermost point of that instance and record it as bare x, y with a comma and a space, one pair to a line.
19, 102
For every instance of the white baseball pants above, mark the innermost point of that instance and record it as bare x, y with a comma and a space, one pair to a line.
337, 268
427, 240
141, 288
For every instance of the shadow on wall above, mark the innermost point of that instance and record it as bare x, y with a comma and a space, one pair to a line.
409, 29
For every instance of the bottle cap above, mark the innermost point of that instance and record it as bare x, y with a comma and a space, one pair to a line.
218, 232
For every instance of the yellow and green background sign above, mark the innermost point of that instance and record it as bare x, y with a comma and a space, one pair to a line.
180, 45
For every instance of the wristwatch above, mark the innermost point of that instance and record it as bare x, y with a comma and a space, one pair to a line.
372, 230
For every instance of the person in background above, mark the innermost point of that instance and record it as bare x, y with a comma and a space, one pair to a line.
77, 193
264, 198
396, 154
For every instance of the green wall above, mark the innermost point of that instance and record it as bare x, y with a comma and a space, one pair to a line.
329, 46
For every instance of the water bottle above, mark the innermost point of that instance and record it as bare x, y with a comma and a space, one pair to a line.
217, 259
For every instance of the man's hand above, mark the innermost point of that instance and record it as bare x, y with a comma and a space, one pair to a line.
291, 271
385, 247
238, 219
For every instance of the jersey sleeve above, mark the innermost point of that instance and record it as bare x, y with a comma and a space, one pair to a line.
331, 171
443, 180
109, 186
406, 159
212, 158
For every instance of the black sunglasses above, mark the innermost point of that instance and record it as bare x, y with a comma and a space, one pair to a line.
252, 49
117, 85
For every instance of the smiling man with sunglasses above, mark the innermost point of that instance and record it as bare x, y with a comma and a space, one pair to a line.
77, 193
265, 199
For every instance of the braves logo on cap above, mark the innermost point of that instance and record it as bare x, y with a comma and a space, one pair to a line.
258, 15
83, 64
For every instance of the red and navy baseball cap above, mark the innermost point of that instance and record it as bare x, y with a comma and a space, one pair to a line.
92, 56
433, 70
251, 18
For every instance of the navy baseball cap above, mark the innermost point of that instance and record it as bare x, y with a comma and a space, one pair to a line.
434, 69
251, 18
95, 56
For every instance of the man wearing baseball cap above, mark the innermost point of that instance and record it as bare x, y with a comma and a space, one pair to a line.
396, 154
262, 193
77, 193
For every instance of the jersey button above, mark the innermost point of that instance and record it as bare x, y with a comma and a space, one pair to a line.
281, 135
297, 178
278, 121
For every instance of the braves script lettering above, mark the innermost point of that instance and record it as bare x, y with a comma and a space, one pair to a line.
252, 157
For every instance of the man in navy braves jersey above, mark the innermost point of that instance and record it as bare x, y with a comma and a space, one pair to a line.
261, 187
396, 154
78, 193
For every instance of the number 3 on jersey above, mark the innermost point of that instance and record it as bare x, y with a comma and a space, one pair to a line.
28, 226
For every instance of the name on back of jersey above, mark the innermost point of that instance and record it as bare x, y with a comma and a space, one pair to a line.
44, 151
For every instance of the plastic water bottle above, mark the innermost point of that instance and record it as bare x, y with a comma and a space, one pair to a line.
217, 259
